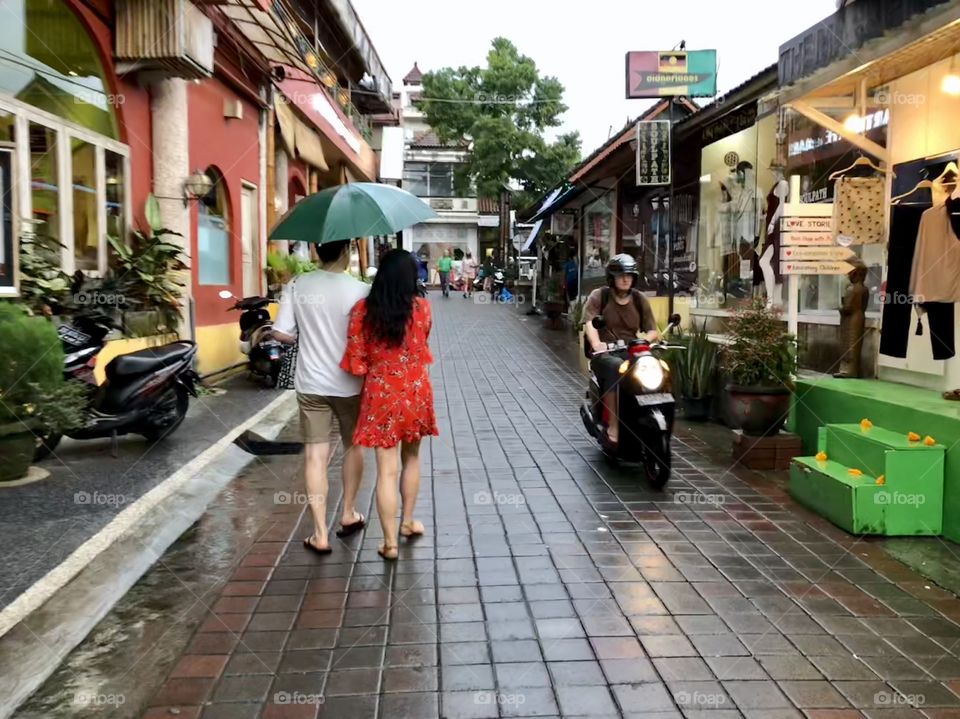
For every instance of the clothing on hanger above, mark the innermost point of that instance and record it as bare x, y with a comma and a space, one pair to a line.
935, 271
858, 210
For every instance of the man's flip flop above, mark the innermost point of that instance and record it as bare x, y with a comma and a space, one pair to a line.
413, 528
347, 529
314, 548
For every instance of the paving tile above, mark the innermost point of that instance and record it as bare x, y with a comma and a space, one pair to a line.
813, 694
468, 677
566, 650
576, 674
588, 700
410, 706
628, 671
469, 705
756, 695
785, 666
243, 689
519, 675
342, 682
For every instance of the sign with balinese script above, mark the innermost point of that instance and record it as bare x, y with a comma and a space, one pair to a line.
672, 73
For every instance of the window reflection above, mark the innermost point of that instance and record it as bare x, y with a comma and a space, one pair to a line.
44, 186
86, 233
213, 236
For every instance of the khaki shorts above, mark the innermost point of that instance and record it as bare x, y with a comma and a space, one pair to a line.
317, 413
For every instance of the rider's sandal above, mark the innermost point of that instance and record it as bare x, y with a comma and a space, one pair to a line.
389, 551
412, 528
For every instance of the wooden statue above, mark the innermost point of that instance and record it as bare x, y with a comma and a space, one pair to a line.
853, 321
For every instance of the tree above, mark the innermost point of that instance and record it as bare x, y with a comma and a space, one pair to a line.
504, 110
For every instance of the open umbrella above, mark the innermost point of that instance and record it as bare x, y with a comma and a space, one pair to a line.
344, 212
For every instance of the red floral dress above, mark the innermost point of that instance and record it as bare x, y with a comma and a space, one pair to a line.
396, 404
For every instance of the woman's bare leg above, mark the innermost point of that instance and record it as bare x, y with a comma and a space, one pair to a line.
410, 485
387, 493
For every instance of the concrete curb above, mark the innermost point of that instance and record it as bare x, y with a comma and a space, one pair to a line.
64, 606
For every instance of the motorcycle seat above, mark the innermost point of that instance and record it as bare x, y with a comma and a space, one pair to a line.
148, 360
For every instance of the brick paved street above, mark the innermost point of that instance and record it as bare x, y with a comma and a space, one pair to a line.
552, 584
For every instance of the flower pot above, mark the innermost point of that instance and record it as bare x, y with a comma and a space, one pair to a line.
16, 450
758, 411
553, 309
697, 409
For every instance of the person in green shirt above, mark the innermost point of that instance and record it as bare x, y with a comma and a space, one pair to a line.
444, 265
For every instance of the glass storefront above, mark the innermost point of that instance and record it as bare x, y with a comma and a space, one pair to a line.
598, 234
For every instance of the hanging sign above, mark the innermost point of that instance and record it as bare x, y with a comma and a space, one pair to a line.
672, 73
816, 268
653, 152
806, 238
816, 253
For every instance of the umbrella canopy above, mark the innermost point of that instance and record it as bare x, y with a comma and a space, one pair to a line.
358, 209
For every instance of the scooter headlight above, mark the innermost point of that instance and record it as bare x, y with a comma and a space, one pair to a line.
649, 373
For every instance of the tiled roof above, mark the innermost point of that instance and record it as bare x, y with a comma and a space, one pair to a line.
429, 139
414, 76
488, 206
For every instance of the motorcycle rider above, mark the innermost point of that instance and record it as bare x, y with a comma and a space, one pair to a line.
628, 316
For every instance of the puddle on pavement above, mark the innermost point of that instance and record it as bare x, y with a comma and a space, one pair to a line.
125, 659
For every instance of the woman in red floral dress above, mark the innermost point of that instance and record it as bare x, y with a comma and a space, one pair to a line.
388, 345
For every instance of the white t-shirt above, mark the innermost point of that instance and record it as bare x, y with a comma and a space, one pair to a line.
315, 308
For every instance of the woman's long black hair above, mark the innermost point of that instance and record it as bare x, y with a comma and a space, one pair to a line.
391, 299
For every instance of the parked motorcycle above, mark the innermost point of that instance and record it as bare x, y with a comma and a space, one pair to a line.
645, 407
146, 392
263, 352
496, 286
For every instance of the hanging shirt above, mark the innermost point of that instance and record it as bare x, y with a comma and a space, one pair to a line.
935, 275
858, 210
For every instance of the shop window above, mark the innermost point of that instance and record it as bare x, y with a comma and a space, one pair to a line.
598, 236
115, 193
44, 181
86, 233
429, 179
49, 61
213, 233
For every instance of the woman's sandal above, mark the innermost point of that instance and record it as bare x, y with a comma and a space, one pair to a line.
308, 543
347, 529
387, 551
413, 528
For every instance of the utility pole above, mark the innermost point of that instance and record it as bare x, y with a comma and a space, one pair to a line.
672, 229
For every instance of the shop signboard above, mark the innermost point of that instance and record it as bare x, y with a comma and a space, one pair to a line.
817, 253
815, 268
807, 224
671, 73
653, 152
806, 238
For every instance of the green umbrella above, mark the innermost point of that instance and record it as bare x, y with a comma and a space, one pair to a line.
358, 209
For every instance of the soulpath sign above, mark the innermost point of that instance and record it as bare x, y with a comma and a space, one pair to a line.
671, 73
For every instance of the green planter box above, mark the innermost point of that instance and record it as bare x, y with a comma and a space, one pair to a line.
909, 503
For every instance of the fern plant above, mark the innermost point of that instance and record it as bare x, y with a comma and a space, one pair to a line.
761, 353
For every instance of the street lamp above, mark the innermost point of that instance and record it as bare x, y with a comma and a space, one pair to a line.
196, 186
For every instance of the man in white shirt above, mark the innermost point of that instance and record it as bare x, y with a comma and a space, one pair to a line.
315, 311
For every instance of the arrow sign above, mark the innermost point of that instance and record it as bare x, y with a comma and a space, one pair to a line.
816, 253
807, 224
815, 268
807, 238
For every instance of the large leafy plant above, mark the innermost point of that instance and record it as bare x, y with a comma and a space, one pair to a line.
43, 285
281, 268
33, 393
761, 352
694, 367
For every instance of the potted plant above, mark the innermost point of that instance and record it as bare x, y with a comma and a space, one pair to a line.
35, 400
693, 370
553, 305
760, 363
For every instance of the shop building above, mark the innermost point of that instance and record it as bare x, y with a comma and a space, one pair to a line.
887, 89
116, 100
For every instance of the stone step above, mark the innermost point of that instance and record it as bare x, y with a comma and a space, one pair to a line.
877, 451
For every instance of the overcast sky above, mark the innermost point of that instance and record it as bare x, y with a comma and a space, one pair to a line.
584, 44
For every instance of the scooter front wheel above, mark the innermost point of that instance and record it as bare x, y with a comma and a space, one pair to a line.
656, 459
167, 415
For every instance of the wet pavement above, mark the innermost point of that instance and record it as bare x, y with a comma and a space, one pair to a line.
41, 524
549, 583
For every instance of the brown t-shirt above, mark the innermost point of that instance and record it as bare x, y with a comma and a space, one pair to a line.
623, 321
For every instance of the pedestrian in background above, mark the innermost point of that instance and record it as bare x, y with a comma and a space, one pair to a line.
469, 273
313, 313
388, 345
444, 265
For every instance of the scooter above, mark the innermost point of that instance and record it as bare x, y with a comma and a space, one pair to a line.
264, 353
146, 392
645, 407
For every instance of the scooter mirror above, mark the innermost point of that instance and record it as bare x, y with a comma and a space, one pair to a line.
225, 294
598, 322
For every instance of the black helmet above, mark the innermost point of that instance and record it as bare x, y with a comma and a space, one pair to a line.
621, 264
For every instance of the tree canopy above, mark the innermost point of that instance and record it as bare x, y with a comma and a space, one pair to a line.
504, 110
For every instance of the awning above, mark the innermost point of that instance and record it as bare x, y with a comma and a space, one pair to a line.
557, 199
298, 137
533, 235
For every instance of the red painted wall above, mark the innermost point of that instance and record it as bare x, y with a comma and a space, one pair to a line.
132, 108
296, 170
233, 147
